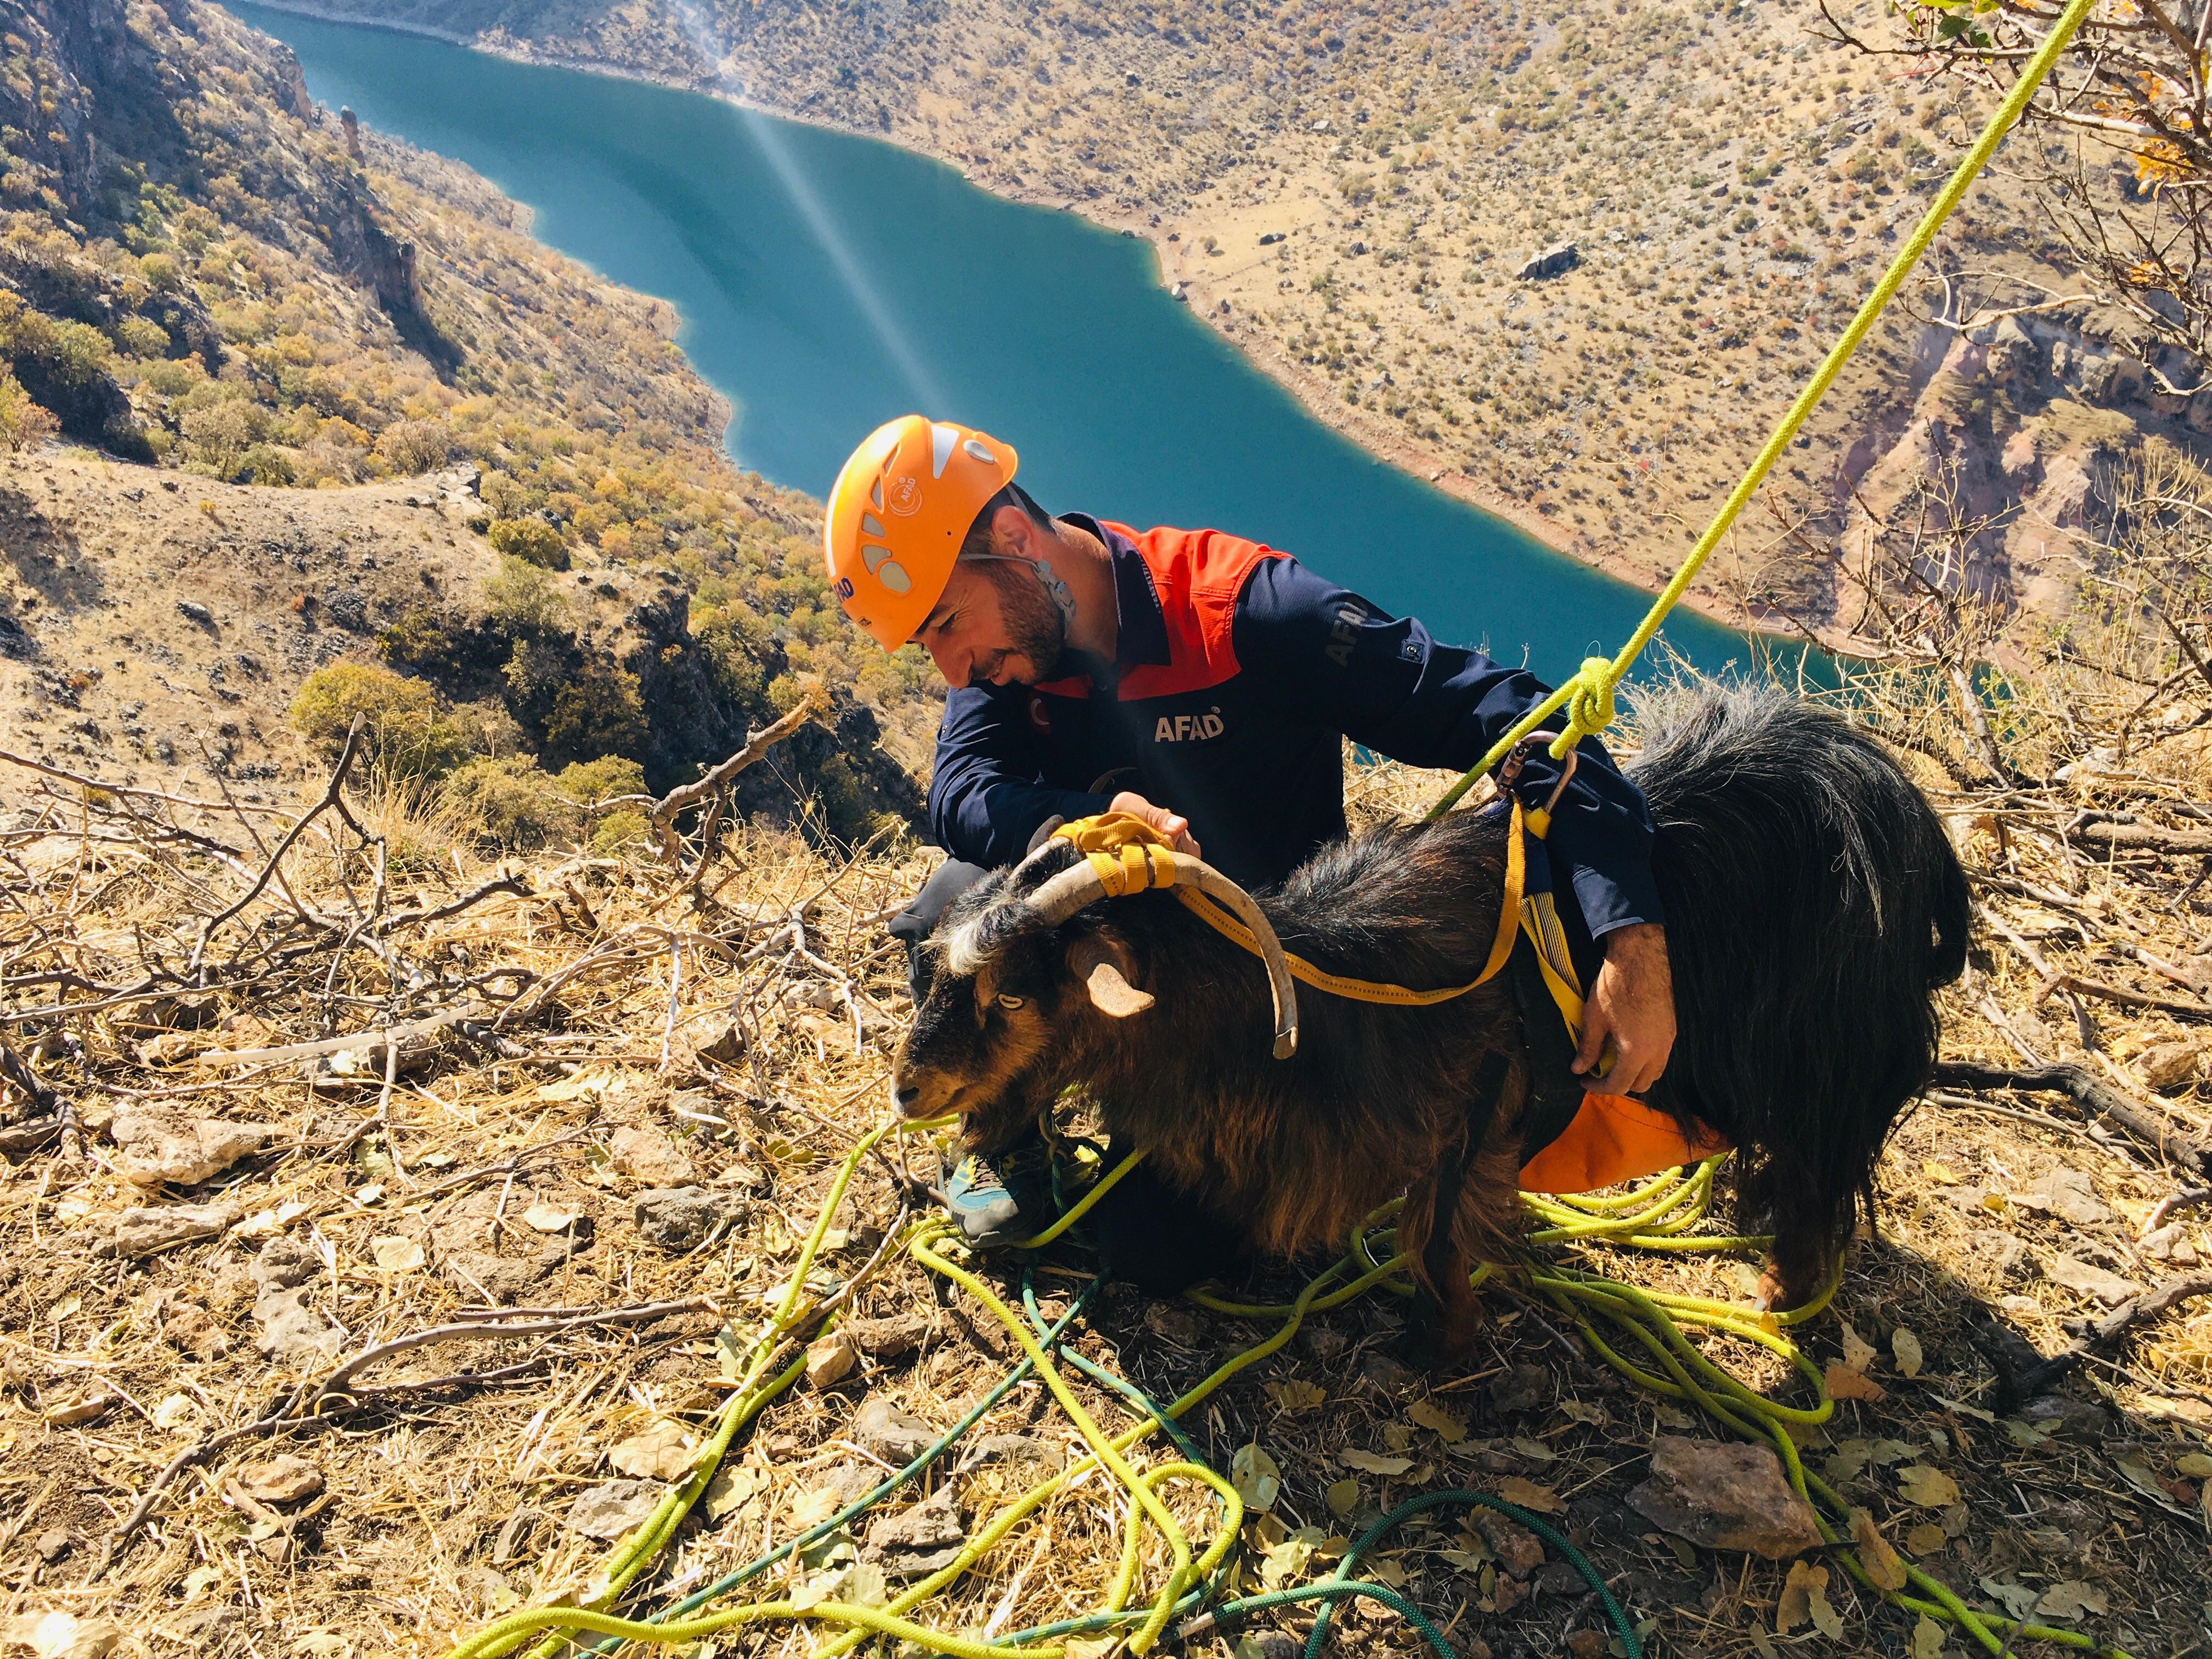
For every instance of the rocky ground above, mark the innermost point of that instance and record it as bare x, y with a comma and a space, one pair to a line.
1350, 195
331, 1342
155, 625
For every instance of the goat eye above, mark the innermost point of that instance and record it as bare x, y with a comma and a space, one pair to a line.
1011, 1002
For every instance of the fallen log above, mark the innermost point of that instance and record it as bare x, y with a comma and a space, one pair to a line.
2017, 1384
2140, 838
2092, 1095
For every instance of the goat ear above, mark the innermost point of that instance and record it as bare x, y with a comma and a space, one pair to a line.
1096, 962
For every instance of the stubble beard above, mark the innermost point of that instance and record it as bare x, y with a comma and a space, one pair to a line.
1036, 633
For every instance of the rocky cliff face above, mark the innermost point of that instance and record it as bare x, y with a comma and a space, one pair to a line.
1999, 450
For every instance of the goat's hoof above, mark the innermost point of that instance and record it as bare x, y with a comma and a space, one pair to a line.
1776, 1295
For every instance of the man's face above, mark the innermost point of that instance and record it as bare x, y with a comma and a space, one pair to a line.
995, 624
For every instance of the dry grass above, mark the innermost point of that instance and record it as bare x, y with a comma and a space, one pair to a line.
634, 1027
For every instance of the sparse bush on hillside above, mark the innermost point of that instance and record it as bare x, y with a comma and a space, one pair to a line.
735, 642
599, 711
525, 603
265, 463
533, 541
140, 336
411, 447
506, 801
22, 422
422, 640
220, 434
624, 827
610, 777
588, 782
490, 729
405, 732
537, 669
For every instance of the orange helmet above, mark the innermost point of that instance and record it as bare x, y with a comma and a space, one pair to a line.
897, 515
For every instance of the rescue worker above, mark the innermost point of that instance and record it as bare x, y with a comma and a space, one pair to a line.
1204, 684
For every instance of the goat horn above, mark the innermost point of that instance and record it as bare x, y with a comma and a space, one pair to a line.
1210, 882
1080, 886
1073, 889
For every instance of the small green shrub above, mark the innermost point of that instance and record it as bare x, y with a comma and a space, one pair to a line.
490, 729
525, 603
220, 432
599, 711
172, 379
411, 447
406, 732
537, 670
623, 827
140, 336
505, 494
506, 801
265, 463
23, 423
587, 781
533, 541
421, 638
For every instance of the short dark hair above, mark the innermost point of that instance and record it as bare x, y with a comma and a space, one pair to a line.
978, 542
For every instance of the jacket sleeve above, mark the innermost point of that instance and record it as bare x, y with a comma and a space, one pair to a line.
1331, 659
986, 797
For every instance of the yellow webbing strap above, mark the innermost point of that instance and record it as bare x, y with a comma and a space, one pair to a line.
1540, 920
1121, 848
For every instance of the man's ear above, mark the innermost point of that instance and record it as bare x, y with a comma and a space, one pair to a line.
1102, 965
1014, 532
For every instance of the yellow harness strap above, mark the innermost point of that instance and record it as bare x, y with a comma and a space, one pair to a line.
1121, 848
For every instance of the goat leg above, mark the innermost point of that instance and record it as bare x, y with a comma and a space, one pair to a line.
1440, 1329
1463, 1213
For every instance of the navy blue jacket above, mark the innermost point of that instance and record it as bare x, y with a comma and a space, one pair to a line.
1237, 673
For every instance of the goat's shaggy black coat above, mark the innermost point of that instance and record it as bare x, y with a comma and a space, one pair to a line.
1813, 904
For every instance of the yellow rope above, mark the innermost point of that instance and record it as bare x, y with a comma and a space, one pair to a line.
1588, 694
1123, 849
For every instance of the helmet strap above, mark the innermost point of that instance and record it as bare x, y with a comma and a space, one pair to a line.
1060, 594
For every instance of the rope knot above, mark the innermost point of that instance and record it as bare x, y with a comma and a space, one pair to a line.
1588, 705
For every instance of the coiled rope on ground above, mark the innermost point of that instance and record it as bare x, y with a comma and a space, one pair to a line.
1617, 1320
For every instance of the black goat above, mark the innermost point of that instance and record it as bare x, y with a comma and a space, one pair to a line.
1813, 905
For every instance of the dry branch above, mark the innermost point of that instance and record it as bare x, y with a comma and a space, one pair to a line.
716, 779
2092, 1095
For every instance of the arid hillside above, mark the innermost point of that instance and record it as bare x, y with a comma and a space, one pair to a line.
341, 412
1351, 193
164, 625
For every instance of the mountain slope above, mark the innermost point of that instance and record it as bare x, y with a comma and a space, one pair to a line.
203, 273
1351, 194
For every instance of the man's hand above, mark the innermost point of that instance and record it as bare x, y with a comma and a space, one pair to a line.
1632, 1003
1173, 825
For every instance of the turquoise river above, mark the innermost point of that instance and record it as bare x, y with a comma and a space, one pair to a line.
828, 283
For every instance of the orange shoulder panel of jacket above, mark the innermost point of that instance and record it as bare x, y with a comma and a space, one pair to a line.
1197, 576
1614, 1138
